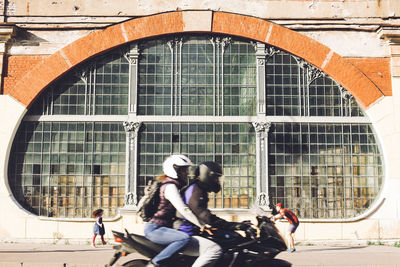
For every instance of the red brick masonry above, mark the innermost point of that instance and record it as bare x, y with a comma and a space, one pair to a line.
367, 79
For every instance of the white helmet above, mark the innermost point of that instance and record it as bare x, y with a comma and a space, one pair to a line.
173, 162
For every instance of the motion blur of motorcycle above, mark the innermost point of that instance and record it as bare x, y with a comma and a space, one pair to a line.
257, 246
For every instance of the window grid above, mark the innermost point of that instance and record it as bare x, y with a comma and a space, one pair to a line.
99, 87
288, 94
283, 85
204, 76
197, 77
324, 170
111, 79
155, 81
211, 76
240, 94
230, 144
69, 169
325, 98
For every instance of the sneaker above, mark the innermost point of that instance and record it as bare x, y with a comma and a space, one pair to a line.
93, 245
290, 250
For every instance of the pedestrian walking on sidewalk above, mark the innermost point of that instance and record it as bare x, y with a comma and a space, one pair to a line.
98, 226
293, 223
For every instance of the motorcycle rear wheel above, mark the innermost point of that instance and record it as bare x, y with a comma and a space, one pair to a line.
135, 263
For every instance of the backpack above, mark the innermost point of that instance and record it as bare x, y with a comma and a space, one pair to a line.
148, 204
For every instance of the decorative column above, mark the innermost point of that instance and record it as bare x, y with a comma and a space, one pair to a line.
6, 33
261, 59
262, 129
132, 56
132, 130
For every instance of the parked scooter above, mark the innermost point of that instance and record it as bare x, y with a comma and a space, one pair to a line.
258, 247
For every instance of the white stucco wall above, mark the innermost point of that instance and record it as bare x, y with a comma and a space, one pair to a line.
11, 114
259, 8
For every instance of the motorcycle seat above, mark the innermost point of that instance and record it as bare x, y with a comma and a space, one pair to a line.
145, 242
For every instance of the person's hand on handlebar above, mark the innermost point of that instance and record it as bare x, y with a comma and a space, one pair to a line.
207, 229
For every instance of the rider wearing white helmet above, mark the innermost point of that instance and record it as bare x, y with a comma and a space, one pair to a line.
174, 164
159, 228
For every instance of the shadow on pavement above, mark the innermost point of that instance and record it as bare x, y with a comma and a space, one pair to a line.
331, 249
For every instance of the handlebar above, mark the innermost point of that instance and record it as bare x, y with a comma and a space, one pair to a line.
245, 226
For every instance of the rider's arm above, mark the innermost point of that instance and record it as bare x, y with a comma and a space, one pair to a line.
198, 204
172, 194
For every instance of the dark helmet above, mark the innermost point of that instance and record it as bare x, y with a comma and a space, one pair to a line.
208, 173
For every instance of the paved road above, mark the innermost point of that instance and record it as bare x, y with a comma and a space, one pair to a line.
344, 256
50, 255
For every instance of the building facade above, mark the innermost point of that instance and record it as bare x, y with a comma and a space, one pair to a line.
296, 99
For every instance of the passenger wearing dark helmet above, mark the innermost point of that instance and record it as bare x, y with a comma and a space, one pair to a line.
207, 179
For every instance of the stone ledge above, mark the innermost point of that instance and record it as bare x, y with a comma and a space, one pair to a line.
391, 34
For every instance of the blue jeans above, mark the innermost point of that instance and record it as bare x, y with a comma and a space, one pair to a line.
173, 239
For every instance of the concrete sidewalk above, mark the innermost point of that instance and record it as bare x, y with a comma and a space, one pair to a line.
50, 255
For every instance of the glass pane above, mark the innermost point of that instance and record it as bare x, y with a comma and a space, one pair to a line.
284, 79
54, 183
98, 87
239, 169
326, 179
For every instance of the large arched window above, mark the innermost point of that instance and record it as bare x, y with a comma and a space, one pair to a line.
283, 130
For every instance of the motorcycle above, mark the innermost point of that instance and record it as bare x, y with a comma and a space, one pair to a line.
258, 246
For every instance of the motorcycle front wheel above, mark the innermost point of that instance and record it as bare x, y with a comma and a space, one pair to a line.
135, 263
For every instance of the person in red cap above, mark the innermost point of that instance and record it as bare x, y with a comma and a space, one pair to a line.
293, 223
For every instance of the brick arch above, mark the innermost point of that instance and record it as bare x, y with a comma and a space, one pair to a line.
44, 73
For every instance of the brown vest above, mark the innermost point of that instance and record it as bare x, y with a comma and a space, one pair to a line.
166, 211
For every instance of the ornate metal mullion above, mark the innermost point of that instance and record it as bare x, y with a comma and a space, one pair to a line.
303, 86
94, 74
261, 57
306, 93
270, 51
224, 43
262, 129
132, 56
180, 76
171, 45
132, 131
83, 75
178, 44
214, 76
313, 73
176, 77
347, 98
217, 76
89, 93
